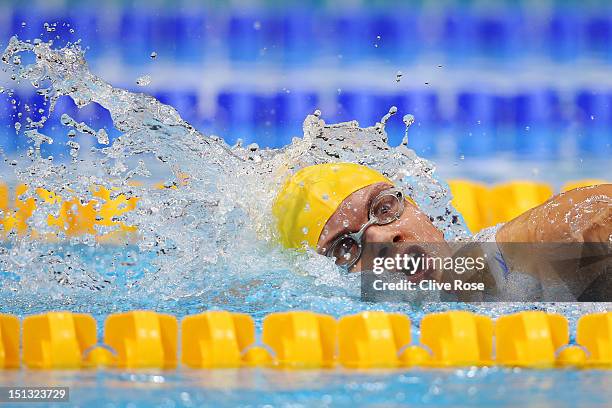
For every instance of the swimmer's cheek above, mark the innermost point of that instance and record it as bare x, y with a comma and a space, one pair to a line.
358, 267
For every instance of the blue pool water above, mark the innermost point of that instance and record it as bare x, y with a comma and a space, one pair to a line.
461, 387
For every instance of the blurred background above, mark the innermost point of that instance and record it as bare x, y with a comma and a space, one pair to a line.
498, 89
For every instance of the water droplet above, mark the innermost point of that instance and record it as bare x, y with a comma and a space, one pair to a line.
153, 55
66, 120
392, 111
305, 230
1, 89
74, 148
23, 24
408, 119
325, 197
345, 223
398, 76
257, 25
17, 127
592, 117
143, 80
317, 113
102, 137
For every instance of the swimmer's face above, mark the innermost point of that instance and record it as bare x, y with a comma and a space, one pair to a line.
412, 227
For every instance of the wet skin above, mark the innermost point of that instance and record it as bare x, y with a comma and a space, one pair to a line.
588, 209
580, 215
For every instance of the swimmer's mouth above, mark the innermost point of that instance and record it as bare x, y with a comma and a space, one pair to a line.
422, 271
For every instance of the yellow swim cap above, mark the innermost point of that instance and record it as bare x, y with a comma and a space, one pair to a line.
311, 196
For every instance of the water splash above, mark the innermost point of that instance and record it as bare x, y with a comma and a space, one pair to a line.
144, 80
210, 243
408, 121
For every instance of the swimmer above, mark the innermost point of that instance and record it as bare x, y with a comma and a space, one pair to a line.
338, 208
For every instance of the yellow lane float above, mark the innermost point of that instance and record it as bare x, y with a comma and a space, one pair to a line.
74, 217
216, 339
372, 339
9, 341
532, 339
594, 332
299, 339
57, 339
458, 338
142, 339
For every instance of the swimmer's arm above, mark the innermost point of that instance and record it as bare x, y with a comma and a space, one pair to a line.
579, 215
575, 217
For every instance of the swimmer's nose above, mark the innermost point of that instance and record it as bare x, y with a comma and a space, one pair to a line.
385, 233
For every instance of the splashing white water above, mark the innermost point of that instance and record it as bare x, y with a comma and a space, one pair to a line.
210, 242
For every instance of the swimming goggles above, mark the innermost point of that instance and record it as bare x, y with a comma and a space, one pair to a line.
388, 206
